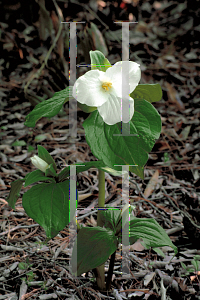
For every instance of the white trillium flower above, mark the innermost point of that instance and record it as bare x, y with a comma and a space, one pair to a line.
104, 91
39, 163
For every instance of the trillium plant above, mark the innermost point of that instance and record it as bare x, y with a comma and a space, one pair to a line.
99, 92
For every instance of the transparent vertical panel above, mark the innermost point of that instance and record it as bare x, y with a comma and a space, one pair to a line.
73, 206
125, 231
125, 78
72, 79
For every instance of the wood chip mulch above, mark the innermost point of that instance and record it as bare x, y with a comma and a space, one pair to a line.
166, 44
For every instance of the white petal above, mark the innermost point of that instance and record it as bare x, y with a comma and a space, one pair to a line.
128, 117
116, 73
111, 111
87, 89
39, 163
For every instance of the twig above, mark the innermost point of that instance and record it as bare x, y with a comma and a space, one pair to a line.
37, 74
144, 199
96, 16
18, 227
182, 211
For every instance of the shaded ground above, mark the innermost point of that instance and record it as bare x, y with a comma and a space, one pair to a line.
166, 44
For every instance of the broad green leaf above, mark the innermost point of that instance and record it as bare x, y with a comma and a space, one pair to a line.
94, 246
48, 205
149, 92
48, 108
114, 218
125, 214
44, 154
150, 231
36, 176
14, 192
98, 61
81, 167
109, 217
123, 217
124, 150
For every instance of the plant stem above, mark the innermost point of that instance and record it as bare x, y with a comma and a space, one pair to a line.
110, 271
101, 198
100, 277
75, 222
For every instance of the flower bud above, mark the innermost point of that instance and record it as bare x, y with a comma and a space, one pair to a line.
39, 163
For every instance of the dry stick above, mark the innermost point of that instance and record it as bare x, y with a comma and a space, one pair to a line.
96, 16
185, 213
37, 74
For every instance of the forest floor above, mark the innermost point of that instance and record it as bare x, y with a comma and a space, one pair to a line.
165, 42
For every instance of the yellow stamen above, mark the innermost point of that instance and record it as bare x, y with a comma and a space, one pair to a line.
106, 86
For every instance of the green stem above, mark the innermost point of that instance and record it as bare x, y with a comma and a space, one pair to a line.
101, 198
100, 276
75, 222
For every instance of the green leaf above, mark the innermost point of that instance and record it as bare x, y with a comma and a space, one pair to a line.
36, 176
123, 218
86, 108
48, 205
44, 154
159, 251
114, 172
124, 150
183, 265
30, 148
22, 266
94, 246
19, 143
98, 61
14, 192
125, 214
195, 264
50, 171
110, 217
190, 270
81, 167
150, 231
40, 137
149, 92
48, 108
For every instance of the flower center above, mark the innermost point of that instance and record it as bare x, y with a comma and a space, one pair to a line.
106, 86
